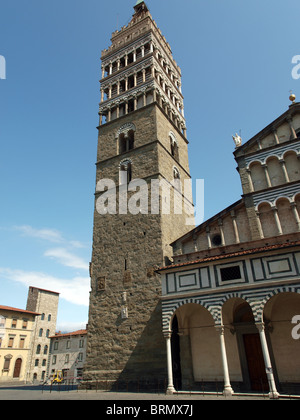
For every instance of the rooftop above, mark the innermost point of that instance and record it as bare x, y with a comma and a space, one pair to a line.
232, 255
79, 332
11, 309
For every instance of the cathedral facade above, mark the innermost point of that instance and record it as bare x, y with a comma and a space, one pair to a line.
231, 296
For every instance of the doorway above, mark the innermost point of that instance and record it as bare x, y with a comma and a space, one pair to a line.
17, 369
175, 343
250, 350
255, 361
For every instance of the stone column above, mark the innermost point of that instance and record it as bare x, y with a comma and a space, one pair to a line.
275, 135
235, 227
208, 237
277, 220
269, 370
227, 385
250, 180
220, 223
267, 175
296, 214
286, 175
290, 121
261, 233
135, 102
170, 389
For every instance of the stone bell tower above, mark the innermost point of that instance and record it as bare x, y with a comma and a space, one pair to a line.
142, 136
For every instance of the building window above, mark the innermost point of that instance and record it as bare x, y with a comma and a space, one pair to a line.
54, 360
38, 349
41, 332
49, 317
14, 323
47, 333
125, 172
46, 350
68, 344
42, 317
80, 357
2, 321
176, 173
25, 324
67, 358
126, 142
11, 342
7, 363
230, 273
81, 343
217, 240
44, 363
22, 343
56, 345
174, 146
36, 363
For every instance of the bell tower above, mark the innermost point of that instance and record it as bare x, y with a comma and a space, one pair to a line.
142, 140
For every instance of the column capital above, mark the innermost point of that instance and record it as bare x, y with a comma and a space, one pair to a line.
220, 329
260, 326
167, 334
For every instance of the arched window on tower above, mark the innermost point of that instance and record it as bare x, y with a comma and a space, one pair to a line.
176, 173
125, 172
126, 142
174, 146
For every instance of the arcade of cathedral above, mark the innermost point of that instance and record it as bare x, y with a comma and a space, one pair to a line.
220, 306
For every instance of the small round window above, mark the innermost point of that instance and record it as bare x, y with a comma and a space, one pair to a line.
217, 240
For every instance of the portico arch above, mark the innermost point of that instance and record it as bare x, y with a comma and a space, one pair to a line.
279, 312
245, 355
200, 354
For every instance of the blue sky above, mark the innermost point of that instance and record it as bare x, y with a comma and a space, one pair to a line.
236, 61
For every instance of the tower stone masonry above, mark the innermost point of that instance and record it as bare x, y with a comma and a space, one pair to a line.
142, 135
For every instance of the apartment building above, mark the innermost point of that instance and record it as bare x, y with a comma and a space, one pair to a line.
16, 333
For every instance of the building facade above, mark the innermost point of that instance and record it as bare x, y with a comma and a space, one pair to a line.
142, 138
233, 290
68, 354
16, 334
45, 302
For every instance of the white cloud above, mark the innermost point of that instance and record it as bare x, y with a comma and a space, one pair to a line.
65, 327
47, 234
75, 290
66, 258
51, 235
